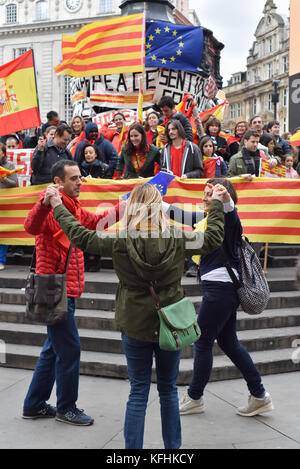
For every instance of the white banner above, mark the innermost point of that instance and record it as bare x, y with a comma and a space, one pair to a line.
21, 158
122, 91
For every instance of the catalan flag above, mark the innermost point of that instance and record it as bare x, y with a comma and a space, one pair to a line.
268, 208
108, 47
19, 108
295, 139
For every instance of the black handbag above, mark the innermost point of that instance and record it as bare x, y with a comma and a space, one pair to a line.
46, 295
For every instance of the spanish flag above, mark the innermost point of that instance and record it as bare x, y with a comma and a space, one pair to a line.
106, 47
19, 108
295, 139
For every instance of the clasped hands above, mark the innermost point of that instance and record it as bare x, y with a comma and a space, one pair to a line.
52, 195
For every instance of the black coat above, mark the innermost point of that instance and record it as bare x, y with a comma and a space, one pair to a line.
43, 160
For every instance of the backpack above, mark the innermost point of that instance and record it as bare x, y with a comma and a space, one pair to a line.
252, 287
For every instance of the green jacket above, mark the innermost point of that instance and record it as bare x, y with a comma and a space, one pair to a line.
139, 260
237, 165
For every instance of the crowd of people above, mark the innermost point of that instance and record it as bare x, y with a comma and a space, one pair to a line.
64, 155
165, 142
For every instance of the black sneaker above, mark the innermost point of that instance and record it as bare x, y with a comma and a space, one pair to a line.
46, 411
75, 417
192, 272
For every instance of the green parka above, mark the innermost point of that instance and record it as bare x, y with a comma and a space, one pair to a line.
139, 260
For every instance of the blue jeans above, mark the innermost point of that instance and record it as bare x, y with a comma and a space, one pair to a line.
139, 356
59, 361
217, 321
3, 252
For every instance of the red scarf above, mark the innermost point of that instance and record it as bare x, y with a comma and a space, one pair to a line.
74, 207
233, 139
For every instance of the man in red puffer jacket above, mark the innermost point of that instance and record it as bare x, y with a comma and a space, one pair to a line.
60, 357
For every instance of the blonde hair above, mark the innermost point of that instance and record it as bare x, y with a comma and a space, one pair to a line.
144, 210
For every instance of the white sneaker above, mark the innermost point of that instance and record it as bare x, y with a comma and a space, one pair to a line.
2, 266
187, 405
256, 406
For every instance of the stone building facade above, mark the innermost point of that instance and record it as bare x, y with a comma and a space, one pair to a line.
249, 93
39, 25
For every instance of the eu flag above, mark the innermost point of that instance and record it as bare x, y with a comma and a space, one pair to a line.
161, 181
173, 46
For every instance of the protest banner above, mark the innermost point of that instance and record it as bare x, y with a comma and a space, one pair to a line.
22, 158
269, 209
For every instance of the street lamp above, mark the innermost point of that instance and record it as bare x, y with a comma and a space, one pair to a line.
275, 97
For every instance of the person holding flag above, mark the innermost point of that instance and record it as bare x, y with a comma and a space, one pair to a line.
116, 131
8, 178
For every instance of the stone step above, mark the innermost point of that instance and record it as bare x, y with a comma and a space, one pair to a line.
106, 281
106, 302
284, 250
110, 341
104, 320
114, 365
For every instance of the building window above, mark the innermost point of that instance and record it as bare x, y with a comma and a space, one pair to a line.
11, 13
232, 111
254, 106
42, 10
239, 110
270, 104
106, 6
270, 45
68, 100
285, 97
270, 70
19, 51
286, 64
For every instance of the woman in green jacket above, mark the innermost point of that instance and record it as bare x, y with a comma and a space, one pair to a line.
147, 249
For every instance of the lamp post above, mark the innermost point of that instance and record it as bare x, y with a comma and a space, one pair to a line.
275, 97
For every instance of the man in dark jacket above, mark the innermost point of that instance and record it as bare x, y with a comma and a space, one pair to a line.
47, 154
181, 157
106, 148
167, 107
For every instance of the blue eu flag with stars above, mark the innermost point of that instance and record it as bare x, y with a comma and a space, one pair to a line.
174, 46
161, 181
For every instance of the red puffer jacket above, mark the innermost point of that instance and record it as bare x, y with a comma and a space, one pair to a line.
51, 257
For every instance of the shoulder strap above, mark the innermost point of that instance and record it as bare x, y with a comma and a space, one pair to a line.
226, 264
154, 295
33, 260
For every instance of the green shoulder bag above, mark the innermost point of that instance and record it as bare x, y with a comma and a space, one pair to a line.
178, 323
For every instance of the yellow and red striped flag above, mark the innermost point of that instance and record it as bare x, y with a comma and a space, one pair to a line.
5, 173
269, 209
295, 139
19, 109
108, 47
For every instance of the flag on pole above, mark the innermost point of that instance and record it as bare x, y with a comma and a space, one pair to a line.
19, 109
174, 46
108, 47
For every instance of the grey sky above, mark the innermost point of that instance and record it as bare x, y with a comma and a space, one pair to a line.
233, 23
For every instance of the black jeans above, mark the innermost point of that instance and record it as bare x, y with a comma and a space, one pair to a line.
217, 321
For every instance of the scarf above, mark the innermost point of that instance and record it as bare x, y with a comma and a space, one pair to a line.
201, 226
233, 139
74, 207
252, 161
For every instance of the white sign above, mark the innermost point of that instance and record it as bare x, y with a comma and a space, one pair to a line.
21, 158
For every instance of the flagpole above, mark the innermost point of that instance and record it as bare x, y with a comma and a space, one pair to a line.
142, 78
